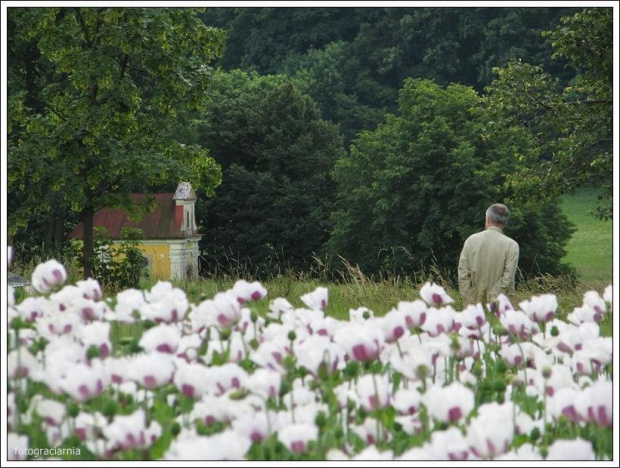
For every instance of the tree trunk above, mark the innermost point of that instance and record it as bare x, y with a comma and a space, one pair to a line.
88, 248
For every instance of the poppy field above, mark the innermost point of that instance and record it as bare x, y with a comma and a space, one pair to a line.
219, 380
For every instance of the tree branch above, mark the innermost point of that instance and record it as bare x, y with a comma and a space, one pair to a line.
78, 15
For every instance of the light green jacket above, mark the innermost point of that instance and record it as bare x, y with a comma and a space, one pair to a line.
487, 266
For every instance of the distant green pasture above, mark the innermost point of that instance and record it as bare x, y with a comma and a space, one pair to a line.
590, 250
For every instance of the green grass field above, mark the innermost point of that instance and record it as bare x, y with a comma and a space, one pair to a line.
590, 249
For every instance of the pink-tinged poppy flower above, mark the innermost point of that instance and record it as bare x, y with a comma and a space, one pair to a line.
48, 275
152, 370
162, 338
84, 381
584, 362
271, 354
226, 445
32, 308
374, 391
254, 426
344, 393
166, 310
608, 294
595, 403
91, 289
512, 354
461, 347
371, 453
449, 404
416, 453
448, 445
316, 352
407, 401
116, 369
474, 333
20, 364
472, 317
211, 409
440, 321
265, 382
416, 361
518, 324
540, 308
17, 446
562, 403
192, 380
361, 342
393, 325
526, 452
585, 314
415, 313
436, 295
489, 434
367, 431
593, 300
128, 432
224, 310
560, 377
245, 292
295, 437
87, 425
96, 334
300, 396
52, 411
165, 303
226, 377
57, 324
360, 315
88, 310
409, 424
317, 299
127, 302
66, 297
188, 347
524, 422
277, 307
503, 305
572, 338
571, 450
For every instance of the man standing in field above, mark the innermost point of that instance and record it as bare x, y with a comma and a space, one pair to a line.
488, 261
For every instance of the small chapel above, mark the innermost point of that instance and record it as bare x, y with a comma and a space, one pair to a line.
170, 235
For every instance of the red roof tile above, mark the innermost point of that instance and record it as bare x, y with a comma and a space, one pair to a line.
164, 222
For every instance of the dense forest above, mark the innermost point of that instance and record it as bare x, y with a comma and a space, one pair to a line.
374, 135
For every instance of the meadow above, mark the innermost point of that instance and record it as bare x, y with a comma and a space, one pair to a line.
295, 369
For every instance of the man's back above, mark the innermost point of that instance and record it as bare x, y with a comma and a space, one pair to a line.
487, 266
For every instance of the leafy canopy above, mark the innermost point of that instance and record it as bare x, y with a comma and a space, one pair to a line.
571, 126
93, 102
276, 152
414, 189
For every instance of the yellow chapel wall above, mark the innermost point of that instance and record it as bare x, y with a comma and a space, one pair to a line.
159, 259
158, 256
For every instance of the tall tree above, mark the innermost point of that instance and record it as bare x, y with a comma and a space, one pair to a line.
573, 124
414, 189
93, 105
276, 152
353, 61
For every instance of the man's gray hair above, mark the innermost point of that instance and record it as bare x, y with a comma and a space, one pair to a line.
498, 214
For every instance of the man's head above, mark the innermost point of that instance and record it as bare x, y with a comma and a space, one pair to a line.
497, 215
